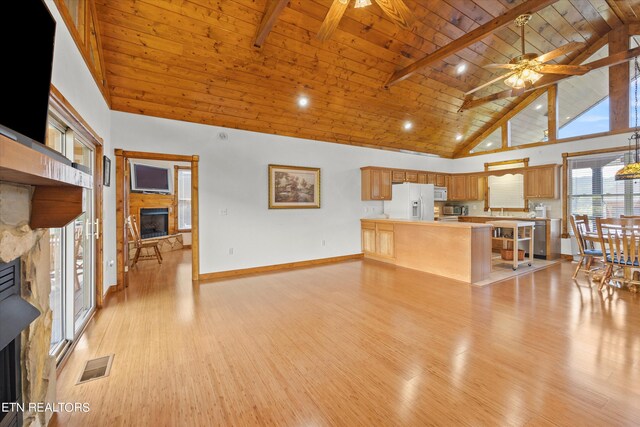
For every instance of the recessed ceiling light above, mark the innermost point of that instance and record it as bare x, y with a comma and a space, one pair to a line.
461, 68
407, 125
303, 101
539, 106
568, 117
458, 137
489, 144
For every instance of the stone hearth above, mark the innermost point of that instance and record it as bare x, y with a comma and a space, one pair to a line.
18, 240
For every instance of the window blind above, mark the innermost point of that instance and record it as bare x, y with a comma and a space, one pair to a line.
506, 191
184, 199
592, 188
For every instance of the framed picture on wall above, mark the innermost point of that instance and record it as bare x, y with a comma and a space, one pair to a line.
294, 187
106, 171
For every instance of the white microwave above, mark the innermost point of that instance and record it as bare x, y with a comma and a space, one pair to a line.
440, 194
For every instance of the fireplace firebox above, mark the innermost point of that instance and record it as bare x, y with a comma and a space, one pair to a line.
15, 315
154, 222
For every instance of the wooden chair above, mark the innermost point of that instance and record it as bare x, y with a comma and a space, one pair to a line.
620, 239
140, 244
630, 216
588, 254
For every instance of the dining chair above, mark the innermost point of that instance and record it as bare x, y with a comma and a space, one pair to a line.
630, 216
141, 244
588, 254
620, 240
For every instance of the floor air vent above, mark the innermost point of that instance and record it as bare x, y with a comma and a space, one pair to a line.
96, 368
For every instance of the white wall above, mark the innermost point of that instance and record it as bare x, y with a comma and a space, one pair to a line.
73, 79
233, 178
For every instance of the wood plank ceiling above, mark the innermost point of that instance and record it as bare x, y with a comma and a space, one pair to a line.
194, 60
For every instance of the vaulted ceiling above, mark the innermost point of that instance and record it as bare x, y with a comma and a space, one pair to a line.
194, 60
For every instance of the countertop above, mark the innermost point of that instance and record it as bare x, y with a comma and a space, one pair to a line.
450, 224
514, 218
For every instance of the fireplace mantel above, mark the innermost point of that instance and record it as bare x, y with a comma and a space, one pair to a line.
58, 187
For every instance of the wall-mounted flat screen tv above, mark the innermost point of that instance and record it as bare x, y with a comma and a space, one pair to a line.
151, 179
27, 34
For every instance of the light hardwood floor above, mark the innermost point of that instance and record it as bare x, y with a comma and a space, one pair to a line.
358, 343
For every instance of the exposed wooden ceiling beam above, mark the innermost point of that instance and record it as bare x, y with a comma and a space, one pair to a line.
469, 38
271, 14
615, 6
525, 99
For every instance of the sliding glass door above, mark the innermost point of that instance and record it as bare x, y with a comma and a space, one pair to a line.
72, 297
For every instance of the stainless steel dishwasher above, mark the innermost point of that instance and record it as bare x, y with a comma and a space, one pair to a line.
540, 240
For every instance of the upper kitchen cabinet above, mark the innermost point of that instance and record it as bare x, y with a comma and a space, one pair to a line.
458, 187
376, 184
399, 176
541, 182
466, 187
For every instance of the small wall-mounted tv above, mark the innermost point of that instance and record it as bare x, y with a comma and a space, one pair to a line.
151, 179
27, 34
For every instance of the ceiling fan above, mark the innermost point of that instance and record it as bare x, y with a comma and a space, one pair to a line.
395, 9
528, 68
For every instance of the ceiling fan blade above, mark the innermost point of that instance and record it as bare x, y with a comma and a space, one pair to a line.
574, 70
614, 59
331, 21
562, 50
507, 66
489, 83
398, 12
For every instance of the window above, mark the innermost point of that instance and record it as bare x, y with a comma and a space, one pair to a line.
492, 142
72, 295
530, 124
583, 101
592, 189
184, 198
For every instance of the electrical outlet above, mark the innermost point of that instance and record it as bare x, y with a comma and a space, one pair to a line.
126, 268
324, 242
230, 251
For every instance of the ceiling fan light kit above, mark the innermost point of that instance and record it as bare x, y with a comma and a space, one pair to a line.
528, 68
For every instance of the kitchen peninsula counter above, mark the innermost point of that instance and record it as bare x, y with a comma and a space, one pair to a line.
457, 250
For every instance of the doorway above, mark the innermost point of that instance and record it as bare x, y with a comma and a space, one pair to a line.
178, 215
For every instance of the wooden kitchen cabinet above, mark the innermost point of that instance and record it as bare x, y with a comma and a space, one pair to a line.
376, 184
475, 187
431, 178
398, 176
378, 240
458, 187
384, 240
368, 238
411, 176
422, 178
541, 183
441, 180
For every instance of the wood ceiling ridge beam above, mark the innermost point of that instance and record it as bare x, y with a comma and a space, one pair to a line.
613, 5
271, 14
530, 6
527, 98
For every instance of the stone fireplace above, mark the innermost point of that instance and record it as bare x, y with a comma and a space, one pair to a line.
24, 253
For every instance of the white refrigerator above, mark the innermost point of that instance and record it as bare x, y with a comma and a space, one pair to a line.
410, 201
